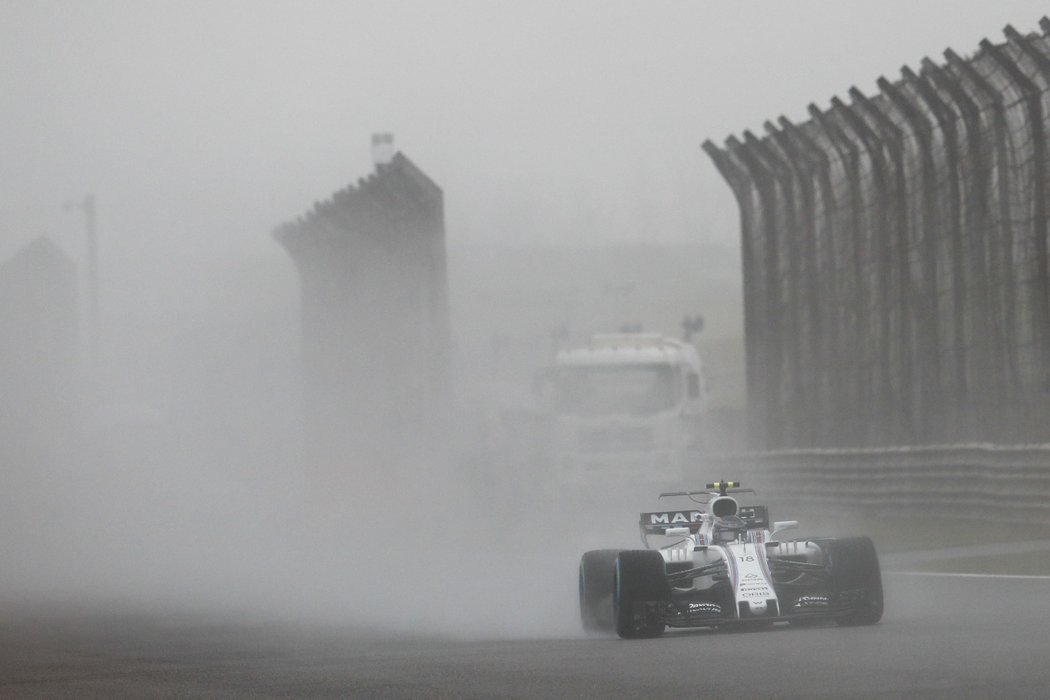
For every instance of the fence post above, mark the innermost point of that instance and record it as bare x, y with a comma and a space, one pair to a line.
987, 385
756, 314
824, 286
788, 287
1005, 213
926, 235
913, 392
1034, 95
887, 418
1038, 313
875, 235
999, 273
857, 330
959, 399
769, 354
811, 340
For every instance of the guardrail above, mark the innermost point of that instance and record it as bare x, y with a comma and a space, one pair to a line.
978, 481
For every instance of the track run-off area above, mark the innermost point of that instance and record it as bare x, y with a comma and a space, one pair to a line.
943, 636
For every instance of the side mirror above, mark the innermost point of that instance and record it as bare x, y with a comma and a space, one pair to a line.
780, 525
675, 531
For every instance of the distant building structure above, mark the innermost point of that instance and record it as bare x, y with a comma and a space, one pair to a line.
375, 335
38, 355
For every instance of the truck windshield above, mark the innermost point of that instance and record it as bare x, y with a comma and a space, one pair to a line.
595, 391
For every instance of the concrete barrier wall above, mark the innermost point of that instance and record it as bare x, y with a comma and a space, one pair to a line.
972, 481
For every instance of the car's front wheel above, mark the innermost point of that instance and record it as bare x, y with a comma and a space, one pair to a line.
854, 578
597, 581
640, 583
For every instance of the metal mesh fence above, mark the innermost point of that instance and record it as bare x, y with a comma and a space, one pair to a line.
895, 258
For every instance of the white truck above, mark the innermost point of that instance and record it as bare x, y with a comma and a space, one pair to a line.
628, 406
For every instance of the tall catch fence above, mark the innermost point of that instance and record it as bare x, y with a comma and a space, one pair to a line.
895, 258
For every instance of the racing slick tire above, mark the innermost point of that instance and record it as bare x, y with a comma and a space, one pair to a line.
639, 579
853, 575
597, 582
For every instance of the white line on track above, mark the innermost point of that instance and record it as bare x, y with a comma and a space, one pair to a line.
952, 575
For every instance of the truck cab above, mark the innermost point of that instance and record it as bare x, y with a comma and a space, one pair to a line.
628, 406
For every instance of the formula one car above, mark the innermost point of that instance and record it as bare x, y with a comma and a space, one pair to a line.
722, 564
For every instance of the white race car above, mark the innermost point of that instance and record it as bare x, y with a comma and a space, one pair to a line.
720, 564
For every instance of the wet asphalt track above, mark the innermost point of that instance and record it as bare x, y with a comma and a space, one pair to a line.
941, 637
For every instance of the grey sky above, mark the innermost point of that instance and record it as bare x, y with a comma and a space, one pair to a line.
201, 125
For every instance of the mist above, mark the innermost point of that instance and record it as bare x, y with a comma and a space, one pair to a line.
159, 460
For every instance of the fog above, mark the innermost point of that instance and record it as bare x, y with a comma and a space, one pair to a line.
566, 138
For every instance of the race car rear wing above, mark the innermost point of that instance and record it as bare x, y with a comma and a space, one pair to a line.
658, 523
756, 517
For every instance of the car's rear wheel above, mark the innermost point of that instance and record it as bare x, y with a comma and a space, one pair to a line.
640, 583
597, 582
854, 578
